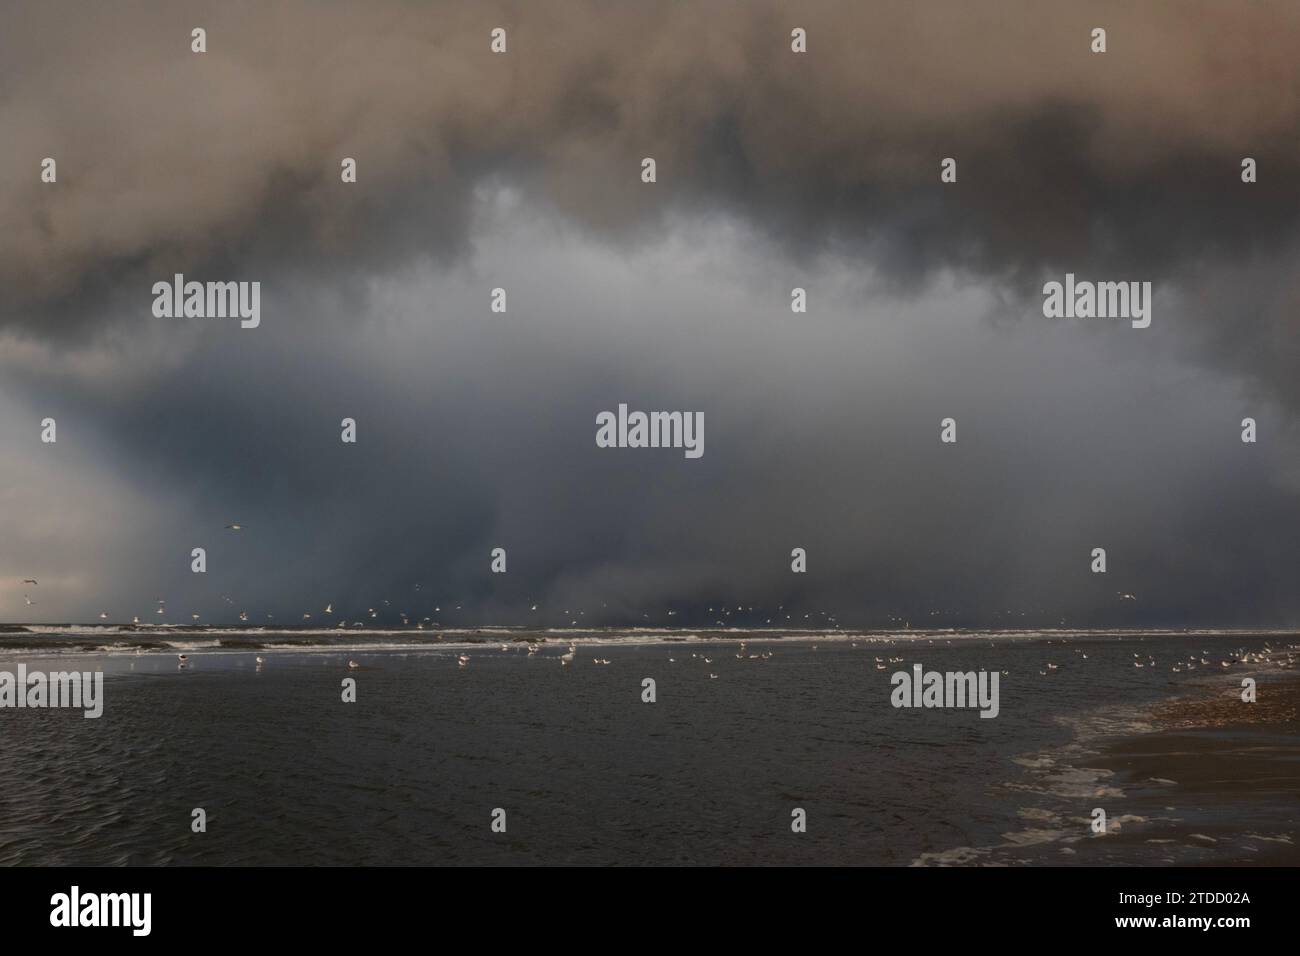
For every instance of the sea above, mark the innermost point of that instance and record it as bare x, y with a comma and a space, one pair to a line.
755, 747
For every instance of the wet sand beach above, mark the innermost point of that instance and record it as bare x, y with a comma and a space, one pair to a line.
1213, 764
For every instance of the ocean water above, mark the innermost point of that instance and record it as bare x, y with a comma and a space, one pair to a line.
589, 774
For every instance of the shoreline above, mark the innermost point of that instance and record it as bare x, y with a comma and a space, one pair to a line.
1212, 750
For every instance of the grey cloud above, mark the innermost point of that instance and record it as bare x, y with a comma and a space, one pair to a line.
775, 170
1067, 159
476, 432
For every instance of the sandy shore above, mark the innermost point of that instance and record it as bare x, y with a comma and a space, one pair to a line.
1277, 706
1230, 770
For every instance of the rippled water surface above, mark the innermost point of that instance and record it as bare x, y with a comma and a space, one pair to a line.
587, 773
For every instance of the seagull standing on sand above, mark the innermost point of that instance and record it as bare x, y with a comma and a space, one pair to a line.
567, 659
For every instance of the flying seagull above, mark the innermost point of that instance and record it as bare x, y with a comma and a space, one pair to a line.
29, 580
234, 527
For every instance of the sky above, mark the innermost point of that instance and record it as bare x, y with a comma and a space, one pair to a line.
522, 170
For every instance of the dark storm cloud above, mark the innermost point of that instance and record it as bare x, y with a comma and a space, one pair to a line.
1067, 159
476, 434
826, 166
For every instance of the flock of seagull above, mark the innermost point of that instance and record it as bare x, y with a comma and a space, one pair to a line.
570, 656
1283, 657
566, 659
373, 613
1237, 656
728, 614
